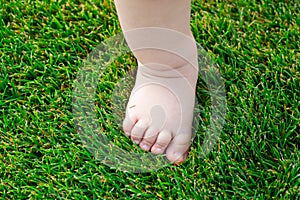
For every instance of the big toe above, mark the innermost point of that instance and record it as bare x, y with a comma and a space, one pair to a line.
178, 148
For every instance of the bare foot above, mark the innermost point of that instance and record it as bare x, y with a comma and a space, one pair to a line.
159, 113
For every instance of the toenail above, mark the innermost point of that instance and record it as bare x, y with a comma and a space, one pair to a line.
145, 147
126, 133
158, 150
178, 156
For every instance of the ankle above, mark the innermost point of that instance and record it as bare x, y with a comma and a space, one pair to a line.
184, 76
163, 47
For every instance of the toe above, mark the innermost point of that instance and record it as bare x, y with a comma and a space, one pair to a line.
149, 138
178, 148
128, 124
162, 141
138, 131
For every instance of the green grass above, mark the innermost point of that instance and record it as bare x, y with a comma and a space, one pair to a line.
256, 46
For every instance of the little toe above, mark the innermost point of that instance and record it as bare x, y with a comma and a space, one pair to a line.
149, 138
138, 131
128, 124
178, 148
162, 141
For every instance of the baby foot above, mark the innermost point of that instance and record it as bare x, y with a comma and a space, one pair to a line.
159, 113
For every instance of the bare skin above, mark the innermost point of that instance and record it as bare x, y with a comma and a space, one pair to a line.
159, 113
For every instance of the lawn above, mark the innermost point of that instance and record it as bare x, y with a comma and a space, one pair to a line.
43, 44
